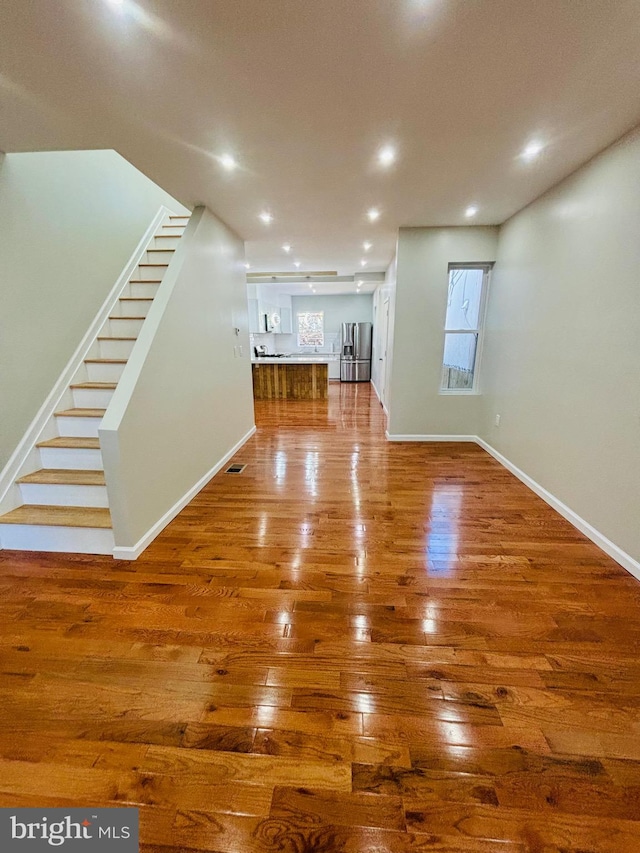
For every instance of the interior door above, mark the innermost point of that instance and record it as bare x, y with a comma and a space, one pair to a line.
382, 359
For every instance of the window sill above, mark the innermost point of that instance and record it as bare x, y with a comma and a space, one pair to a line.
459, 392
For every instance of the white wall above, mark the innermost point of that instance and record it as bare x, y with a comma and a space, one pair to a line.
185, 399
423, 255
562, 350
338, 309
346, 308
68, 223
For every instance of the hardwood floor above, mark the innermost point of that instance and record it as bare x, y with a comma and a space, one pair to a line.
351, 646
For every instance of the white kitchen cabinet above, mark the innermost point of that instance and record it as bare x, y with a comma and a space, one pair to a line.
283, 309
254, 316
267, 310
286, 322
334, 367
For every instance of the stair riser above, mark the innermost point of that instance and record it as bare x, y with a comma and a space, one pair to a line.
115, 349
149, 273
132, 308
173, 229
71, 458
156, 256
46, 494
78, 427
104, 372
167, 241
142, 290
75, 540
125, 328
91, 398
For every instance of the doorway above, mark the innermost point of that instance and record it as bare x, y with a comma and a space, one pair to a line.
382, 357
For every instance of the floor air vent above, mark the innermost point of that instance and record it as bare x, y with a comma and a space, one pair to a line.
236, 468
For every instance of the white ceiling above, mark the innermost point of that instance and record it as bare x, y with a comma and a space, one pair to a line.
303, 93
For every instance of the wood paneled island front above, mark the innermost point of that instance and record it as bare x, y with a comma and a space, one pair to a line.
290, 379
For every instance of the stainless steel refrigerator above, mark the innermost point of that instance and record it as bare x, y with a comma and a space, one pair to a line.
355, 352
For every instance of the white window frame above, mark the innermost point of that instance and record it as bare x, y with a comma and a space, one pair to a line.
309, 346
479, 331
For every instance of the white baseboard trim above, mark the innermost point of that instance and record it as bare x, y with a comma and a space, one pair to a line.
614, 551
394, 437
606, 545
133, 552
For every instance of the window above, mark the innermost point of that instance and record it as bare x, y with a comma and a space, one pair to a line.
463, 327
311, 329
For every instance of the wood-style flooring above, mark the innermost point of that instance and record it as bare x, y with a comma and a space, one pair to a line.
351, 646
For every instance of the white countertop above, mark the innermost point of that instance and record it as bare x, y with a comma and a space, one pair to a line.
313, 358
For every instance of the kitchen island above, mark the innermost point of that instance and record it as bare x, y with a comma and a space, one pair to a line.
295, 377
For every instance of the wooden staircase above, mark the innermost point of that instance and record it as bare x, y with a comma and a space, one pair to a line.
65, 502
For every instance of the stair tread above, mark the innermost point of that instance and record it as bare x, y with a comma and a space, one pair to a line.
153, 265
79, 442
127, 318
114, 338
149, 281
155, 249
105, 360
64, 476
81, 413
180, 217
166, 236
97, 386
136, 299
58, 516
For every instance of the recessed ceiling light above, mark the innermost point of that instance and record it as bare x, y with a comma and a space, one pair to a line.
247, 266
532, 150
228, 163
311, 286
386, 155
471, 210
266, 217
366, 245
117, 2
373, 213
363, 263
287, 247
296, 263
360, 282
